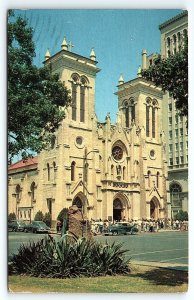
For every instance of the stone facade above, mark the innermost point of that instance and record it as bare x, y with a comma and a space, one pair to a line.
110, 171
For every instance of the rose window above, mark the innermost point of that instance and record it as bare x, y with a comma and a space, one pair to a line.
117, 153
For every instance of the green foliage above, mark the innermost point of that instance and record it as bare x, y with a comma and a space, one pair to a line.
68, 258
47, 219
39, 216
171, 75
62, 214
181, 216
11, 216
36, 98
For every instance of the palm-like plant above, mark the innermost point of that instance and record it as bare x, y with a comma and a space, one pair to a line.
69, 258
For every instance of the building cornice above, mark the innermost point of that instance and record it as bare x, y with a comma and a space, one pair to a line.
135, 86
185, 169
174, 19
22, 170
71, 54
73, 61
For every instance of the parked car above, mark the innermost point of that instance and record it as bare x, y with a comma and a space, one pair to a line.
121, 228
16, 225
37, 227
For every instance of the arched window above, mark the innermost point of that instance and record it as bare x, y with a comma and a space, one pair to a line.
179, 41
100, 163
124, 173
133, 112
175, 195
174, 43
149, 178
147, 120
75, 79
153, 122
82, 99
127, 116
74, 101
126, 112
18, 192
82, 104
185, 33
32, 189
54, 170
73, 171
157, 179
48, 172
168, 42
112, 171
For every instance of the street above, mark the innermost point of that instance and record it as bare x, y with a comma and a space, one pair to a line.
168, 249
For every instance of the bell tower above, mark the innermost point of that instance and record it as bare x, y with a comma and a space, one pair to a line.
78, 74
139, 103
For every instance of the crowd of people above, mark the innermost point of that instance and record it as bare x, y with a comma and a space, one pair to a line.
144, 225
98, 226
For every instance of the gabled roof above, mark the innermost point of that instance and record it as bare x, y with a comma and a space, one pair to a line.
33, 161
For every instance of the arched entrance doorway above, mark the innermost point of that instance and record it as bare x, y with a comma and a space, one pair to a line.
154, 208
77, 201
117, 209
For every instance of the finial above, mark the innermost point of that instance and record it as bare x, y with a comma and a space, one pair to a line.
121, 80
139, 72
64, 45
70, 46
47, 54
92, 54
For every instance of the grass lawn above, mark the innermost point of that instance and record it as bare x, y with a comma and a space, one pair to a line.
143, 279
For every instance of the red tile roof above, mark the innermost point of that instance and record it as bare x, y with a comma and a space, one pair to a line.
24, 163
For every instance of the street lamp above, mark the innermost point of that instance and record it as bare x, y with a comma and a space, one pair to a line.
85, 177
85, 168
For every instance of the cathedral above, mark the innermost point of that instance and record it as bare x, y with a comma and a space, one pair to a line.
110, 171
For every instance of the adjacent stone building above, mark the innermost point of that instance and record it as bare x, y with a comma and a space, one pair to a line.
174, 32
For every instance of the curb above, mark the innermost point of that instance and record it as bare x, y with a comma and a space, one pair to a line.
178, 267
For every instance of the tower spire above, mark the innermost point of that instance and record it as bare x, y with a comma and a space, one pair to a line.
47, 54
64, 45
139, 72
92, 54
121, 79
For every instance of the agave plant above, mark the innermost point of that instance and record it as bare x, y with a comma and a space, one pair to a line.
69, 257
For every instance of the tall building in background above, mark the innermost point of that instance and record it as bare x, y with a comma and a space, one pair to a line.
173, 34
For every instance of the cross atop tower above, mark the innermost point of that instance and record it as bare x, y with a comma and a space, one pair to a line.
70, 46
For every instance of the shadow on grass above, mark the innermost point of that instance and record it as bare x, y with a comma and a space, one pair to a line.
161, 276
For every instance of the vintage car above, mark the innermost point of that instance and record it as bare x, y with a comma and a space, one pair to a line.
16, 225
37, 227
121, 228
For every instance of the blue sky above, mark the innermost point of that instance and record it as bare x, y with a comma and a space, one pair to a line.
118, 37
